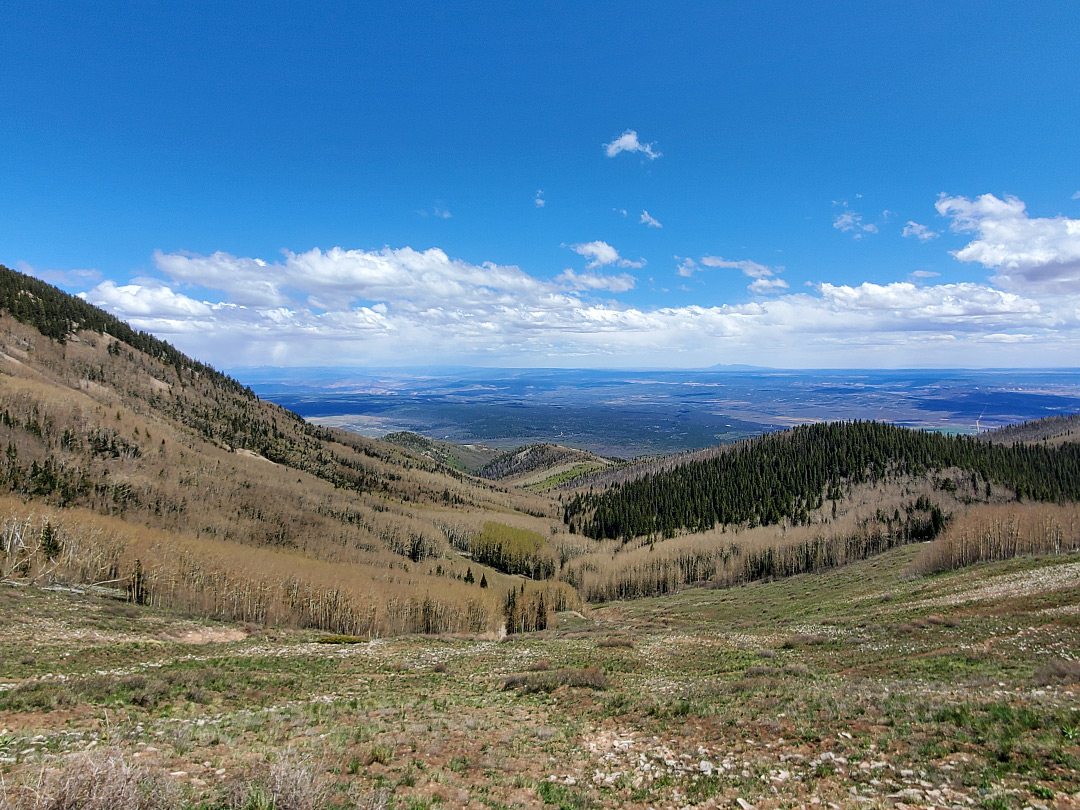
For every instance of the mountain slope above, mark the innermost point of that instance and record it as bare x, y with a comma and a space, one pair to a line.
171, 479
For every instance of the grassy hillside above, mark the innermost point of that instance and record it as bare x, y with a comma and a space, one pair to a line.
862, 686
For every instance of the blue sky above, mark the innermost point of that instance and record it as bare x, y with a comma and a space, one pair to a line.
554, 184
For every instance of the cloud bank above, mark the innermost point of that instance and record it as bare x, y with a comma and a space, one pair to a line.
401, 305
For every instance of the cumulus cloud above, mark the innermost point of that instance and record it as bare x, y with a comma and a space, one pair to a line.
1076, 196
247, 281
924, 274
147, 299
964, 307
539, 200
649, 220
628, 142
920, 232
1034, 254
601, 253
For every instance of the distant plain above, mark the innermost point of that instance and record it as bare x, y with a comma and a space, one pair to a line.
635, 413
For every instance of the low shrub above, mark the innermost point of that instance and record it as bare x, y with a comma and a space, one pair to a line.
340, 639
96, 781
615, 641
549, 681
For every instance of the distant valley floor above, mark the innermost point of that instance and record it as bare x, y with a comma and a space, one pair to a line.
635, 413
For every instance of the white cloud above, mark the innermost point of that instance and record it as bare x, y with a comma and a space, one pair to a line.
140, 300
920, 232
620, 211
767, 285
401, 305
749, 268
686, 267
650, 221
1076, 196
959, 307
1034, 254
246, 280
628, 142
601, 253
436, 211
924, 274
539, 200
1008, 338
851, 222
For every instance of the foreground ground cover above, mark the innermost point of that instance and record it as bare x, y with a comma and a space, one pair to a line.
862, 686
